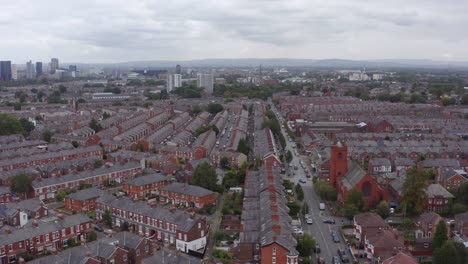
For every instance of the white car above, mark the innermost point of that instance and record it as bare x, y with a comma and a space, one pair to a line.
309, 221
298, 231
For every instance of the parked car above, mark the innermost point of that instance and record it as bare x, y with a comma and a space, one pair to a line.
329, 221
320, 260
335, 260
302, 180
98, 228
309, 221
343, 256
317, 248
322, 206
298, 231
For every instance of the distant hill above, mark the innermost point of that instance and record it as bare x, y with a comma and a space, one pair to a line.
285, 62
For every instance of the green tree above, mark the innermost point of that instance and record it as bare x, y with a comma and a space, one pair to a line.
464, 99
105, 115
27, 126
462, 252
414, 190
350, 210
230, 179
95, 125
91, 236
299, 192
355, 198
75, 144
440, 235
289, 156
98, 163
294, 209
107, 218
243, 146
305, 208
224, 163
47, 136
9, 125
214, 108
60, 196
62, 89
446, 254
305, 244
205, 176
21, 183
383, 209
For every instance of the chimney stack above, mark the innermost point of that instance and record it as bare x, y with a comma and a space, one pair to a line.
60, 216
7, 230
35, 223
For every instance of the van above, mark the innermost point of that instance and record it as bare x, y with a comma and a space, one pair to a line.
322, 206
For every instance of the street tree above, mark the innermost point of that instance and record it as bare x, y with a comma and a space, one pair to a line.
355, 198
349, 211
305, 244
414, 190
383, 209
224, 163
107, 218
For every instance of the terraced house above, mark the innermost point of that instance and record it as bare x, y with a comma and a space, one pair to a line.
187, 231
40, 236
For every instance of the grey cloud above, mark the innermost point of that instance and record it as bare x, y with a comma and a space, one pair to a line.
121, 30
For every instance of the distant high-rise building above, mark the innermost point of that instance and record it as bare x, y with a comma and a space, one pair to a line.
38, 69
14, 72
30, 73
5, 70
178, 69
54, 65
72, 68
173, 81
177, 80
206, 81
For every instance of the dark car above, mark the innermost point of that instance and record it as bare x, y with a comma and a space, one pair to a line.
336, 239
335, 260
329, 221
317, 248
342, 254
98, 228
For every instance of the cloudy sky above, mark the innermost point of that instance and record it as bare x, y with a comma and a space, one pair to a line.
128, 30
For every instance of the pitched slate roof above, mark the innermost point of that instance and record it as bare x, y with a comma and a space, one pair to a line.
85, 194
186, 189
147, 179
437, 190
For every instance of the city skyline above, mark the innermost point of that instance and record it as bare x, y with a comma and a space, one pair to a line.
176, 30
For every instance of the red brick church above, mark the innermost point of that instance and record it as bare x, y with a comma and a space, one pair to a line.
346, 175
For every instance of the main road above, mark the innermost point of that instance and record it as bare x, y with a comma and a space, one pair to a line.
319, 230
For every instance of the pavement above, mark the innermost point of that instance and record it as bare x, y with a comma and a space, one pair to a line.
319, 230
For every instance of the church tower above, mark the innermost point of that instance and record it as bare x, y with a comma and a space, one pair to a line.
338, 163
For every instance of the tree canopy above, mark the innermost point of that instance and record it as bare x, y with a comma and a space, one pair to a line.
414, 190
383, 209
21, 183
243, 146
305, 245
205, 176
214, 108
355, 198
448, 253
440, 235
9, 125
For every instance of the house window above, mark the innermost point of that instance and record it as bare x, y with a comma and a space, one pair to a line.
146, 248
138, 252
20, 244
10, 247
426, 245
125, 256
274, 251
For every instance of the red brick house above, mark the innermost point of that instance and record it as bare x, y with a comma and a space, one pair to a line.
401, 258
427, 225
82, 201
117, 173
437, 198
367, 222
452, 179
461, 224
175, 227
275, 252
143, 186
381, 244
5, 194
187, 195
37, 236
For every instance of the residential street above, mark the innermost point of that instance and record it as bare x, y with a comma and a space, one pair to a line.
319, 230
